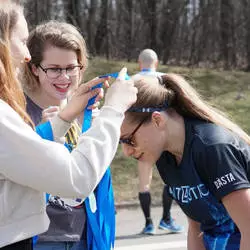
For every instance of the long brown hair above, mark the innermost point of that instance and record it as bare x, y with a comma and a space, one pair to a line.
57, 34
10, 89
180, 96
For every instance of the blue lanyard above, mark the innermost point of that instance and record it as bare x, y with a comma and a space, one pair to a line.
148, 70
99, 233
87, 112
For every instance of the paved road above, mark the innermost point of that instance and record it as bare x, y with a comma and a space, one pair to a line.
129, 223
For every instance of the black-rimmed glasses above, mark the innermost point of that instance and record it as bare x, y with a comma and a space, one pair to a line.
129, 141
54, 73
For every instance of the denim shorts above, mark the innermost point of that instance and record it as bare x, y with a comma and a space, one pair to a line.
79, 245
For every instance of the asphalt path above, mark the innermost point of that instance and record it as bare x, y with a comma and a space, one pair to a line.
129, 224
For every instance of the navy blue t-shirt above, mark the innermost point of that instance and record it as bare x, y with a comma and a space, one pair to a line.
67, 223
215, 163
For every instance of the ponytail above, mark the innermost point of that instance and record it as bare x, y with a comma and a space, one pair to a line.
173, 91
187, 102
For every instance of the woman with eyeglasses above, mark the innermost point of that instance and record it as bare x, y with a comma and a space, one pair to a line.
59, 59
30, 165
203, 158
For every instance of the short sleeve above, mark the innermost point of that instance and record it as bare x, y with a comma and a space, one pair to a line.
222, 167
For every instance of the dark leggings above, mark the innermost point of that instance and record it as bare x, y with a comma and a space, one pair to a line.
21, 245
145, 202
167, 203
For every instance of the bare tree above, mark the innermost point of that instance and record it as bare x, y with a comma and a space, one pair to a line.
226, 26
102, 27
172, 12
91, 25
37, 11
149, 15
246, 9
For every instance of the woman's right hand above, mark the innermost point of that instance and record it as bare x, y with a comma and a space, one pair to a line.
122, 94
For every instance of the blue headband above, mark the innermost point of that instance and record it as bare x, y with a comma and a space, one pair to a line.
149, 109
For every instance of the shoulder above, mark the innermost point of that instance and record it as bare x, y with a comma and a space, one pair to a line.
33, 110
7, 111
4, 105
148, 73
32, 105
136, 77
217, 147
209, 142
160, 73
10, 120
210, 134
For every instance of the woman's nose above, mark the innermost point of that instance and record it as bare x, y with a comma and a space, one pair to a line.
64, 74
27, 56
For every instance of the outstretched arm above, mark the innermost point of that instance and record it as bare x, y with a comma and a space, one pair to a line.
195, 236
237, 204
28, 160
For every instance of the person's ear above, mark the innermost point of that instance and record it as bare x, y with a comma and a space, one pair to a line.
156, 64
34, 70
158, 119
140, 65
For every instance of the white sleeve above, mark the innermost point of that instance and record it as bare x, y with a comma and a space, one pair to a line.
60, 128
29, 160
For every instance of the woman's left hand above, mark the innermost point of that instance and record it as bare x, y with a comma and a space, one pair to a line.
80, 98
49, 112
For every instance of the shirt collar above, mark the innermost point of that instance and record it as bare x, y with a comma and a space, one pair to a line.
148, 70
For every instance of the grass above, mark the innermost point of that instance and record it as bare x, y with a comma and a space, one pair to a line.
227, 90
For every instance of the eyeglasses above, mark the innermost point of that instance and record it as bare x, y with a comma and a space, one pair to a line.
129, 141
54, 73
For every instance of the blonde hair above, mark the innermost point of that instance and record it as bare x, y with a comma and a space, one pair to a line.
10, 88
57, 34
180, 96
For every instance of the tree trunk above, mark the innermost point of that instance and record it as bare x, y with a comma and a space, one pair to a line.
91, 25
226, 28
102, 28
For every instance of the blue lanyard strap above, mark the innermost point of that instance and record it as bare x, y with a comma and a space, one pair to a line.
87, 112
101, 223
147, 70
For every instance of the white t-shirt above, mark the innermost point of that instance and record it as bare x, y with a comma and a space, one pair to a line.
149, 72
